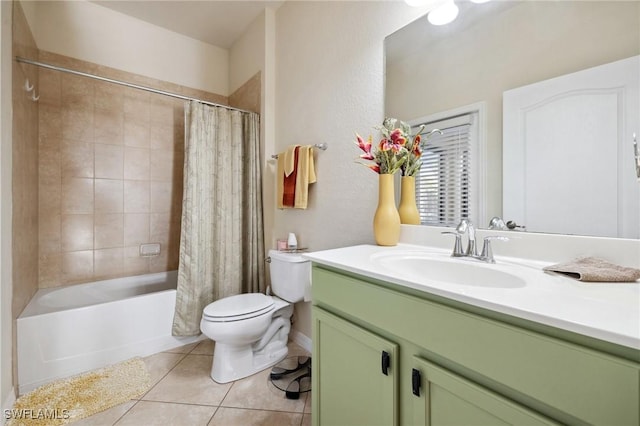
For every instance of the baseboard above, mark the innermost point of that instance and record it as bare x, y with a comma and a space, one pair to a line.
301, 339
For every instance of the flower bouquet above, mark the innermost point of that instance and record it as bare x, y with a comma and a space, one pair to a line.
397, 151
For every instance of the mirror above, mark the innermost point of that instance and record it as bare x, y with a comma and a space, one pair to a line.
496, 47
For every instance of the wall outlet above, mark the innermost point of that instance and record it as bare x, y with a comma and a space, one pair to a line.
150, 249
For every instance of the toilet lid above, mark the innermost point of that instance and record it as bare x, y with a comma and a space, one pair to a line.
241, 305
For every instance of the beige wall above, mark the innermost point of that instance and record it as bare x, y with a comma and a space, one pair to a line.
330, 81
253, 54
246, 56
25, 166
508, 50
25, 171
87, 31
246, 66
248, 96
7, 393
330, 84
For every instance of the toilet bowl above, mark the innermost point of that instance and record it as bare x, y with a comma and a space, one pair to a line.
251, 330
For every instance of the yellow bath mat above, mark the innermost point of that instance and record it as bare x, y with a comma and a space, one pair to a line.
68, 400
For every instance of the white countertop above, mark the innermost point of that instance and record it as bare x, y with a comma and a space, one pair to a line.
605, 311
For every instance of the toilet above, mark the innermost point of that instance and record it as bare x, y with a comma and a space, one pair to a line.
251, 330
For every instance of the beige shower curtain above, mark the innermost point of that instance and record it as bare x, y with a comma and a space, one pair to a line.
221, 241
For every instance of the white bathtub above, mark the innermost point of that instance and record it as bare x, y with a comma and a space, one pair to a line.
68, 330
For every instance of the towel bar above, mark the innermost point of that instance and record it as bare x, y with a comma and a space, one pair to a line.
321, 146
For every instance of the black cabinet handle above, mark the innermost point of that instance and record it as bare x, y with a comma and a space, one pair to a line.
415, 382
386, 362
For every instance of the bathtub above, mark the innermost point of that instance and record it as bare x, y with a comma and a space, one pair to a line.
68, 330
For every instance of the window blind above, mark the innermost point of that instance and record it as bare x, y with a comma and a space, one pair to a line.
444, 180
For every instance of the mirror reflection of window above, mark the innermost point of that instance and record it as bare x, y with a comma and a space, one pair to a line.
450, 167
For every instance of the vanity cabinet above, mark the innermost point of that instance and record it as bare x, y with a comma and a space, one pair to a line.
441, 397
359, 377
454, 364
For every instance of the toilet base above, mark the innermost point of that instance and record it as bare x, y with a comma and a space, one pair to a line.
232, 363
240, 359
237, 361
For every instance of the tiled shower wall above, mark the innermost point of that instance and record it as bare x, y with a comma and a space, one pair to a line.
110, 176
24, 173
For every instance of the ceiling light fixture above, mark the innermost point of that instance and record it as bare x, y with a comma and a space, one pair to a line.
443, 14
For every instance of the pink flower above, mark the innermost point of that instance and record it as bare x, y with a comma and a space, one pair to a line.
397, 138
416, 146
395, 145
390, 154
365, 146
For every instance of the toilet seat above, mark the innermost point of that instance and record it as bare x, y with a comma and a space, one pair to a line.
238, 307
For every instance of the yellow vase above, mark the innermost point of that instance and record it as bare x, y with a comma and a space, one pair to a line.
386, 221
407, 209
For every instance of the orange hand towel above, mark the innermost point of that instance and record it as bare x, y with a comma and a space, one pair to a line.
289, 184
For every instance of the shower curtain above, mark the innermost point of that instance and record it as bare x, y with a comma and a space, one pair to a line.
221, 241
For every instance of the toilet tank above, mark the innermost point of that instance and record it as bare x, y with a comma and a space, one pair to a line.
290, 275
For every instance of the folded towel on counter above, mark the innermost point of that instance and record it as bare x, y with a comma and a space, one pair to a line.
289, 183
306, 175
593, 269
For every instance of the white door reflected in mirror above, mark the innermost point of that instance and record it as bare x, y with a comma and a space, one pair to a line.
552, 132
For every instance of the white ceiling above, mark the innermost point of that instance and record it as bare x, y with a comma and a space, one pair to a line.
217, 22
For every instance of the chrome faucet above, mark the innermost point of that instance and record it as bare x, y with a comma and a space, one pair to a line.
487, 252
466, 227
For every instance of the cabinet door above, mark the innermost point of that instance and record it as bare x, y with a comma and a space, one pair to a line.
354, 374
445, 398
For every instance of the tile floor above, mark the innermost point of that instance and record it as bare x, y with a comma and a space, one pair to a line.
183, 394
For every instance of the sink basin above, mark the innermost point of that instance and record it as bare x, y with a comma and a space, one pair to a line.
426, 267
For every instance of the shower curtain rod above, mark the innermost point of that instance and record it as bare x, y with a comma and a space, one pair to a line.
123, 83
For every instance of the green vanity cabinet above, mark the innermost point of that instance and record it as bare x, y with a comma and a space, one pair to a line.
473, 366
441, 397
358, 371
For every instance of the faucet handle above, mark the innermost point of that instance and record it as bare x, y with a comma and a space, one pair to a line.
457, 248
497, 223
513, 225
487, 252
